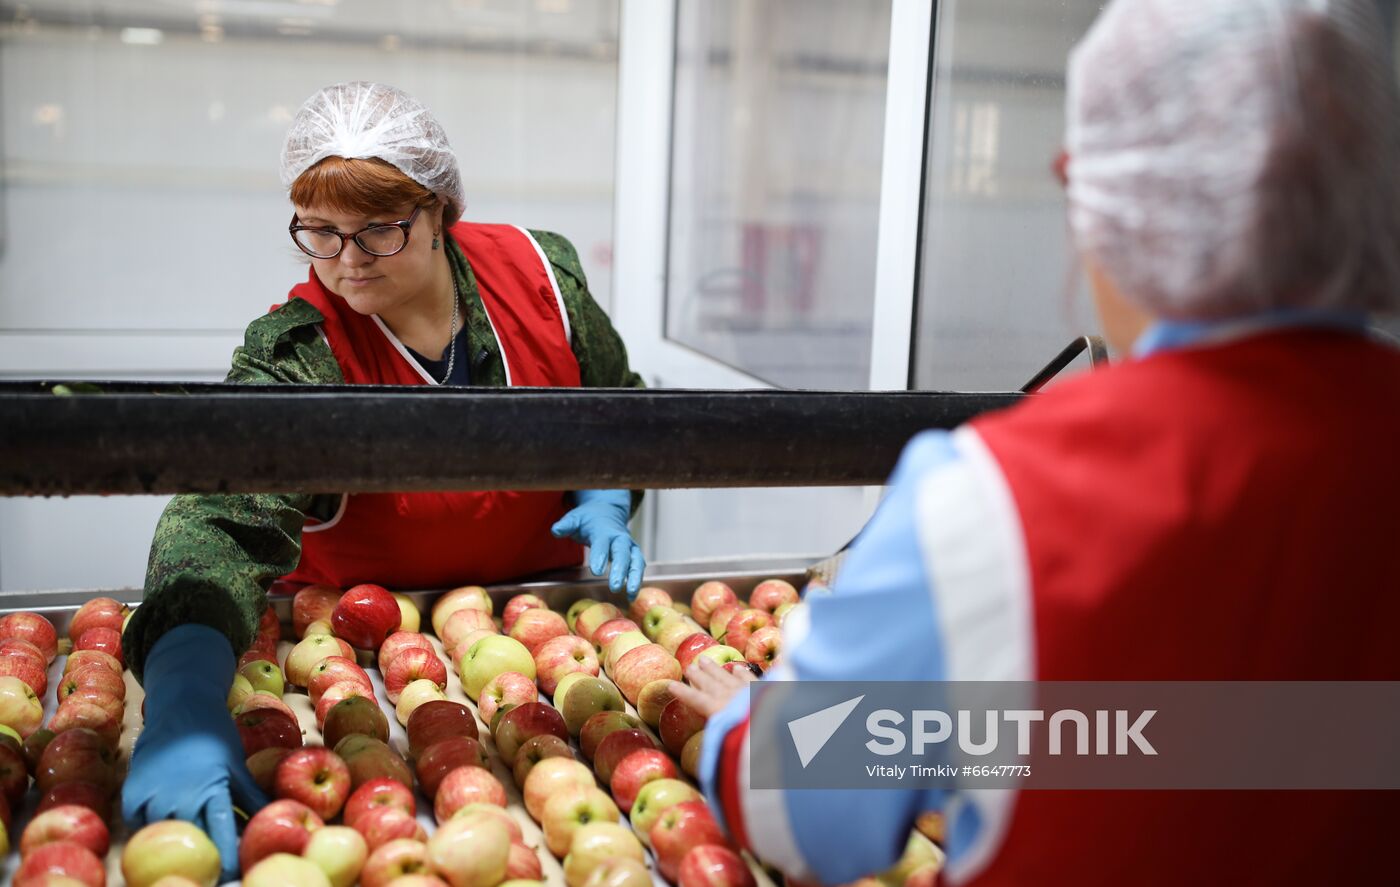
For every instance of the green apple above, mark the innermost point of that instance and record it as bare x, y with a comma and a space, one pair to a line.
594, 844
285, 870
720, 654
656, 619
620, 646
562, 688
655, 798
577, 607
569, 810
491, 656
170, 847
588, 697
339, 851
240, 691
9, 731
265, 677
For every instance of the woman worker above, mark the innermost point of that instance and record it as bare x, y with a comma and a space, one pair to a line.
1224, 504
400, 293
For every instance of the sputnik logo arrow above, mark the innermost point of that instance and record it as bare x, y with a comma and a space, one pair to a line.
810, 733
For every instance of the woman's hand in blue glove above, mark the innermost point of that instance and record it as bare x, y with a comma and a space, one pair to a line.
600, 522
188, 762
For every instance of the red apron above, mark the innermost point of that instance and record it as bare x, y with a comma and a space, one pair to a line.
436, 540
1218, 513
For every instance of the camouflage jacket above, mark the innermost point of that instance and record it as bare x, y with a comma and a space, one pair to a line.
214, 556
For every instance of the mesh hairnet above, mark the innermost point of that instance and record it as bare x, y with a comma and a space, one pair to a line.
370, 120
1228, 157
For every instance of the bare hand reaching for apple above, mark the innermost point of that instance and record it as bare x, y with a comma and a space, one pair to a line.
711, 687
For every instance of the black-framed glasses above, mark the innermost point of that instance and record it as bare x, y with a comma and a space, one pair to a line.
381, 240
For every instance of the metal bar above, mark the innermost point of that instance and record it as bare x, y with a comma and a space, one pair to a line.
163, 438
1098, 356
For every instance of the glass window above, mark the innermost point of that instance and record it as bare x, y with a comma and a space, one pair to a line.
779, 122
998, 295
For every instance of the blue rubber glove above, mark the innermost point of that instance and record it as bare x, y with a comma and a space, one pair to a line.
188, 762
600, 522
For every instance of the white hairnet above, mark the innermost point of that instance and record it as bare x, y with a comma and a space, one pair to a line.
370, 120
1227, 157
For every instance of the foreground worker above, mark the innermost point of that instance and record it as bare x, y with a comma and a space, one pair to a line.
1224, 504
400, 293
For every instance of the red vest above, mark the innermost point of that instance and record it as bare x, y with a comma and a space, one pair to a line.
1229, 512
436, 540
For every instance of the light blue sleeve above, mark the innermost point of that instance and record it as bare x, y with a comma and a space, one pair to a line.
878, 623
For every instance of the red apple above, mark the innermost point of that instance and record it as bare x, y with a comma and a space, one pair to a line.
258, 653
384, 824
563, 655
102, 639
523, 863
269, 628
533, 627
265, 728
100, 612
311, 604
635, 770
591, 619
75, 712
552, 776
444, 756
742, 625
468, 597
77, 755
467, 785
34, 745
682, 827
263, 766
605, 633
332, 670
365, 616
394, 862
281, 827
381, 792
411, 665
719, 619
523, 723
641, 666
354, 714
369, 758
708, 598
79, 658
309, 651
31, 628
536, 749
692, 644
616, 746
70, 822
461, 624
84, 794
763, 646
770, 594
648, 597
506, 688
712, 865
316, 778
260, 701
98, 677
21, 646
517, 605
399, 641
57, 862
436, 720
597, 728
678, 723
33, 672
